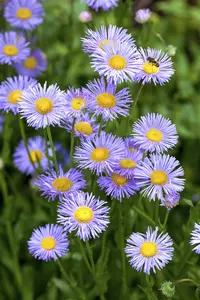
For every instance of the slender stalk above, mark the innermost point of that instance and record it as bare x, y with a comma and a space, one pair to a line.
46, 148
166, 218
100, 125
137, 98
157, 211
143, 214
52, 147
90, 254
72, 143
186, 280
85, 256
123, 258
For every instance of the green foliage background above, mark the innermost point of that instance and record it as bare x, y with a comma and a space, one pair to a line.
22, 208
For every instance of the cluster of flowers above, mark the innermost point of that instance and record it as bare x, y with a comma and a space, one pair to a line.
124, 166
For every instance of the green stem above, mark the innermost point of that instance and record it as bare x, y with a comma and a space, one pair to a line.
85, 256
90, 254
186, 280
52, 147
123, 257
137, 98
157, 211
166, 219
143, 214
46, 148
72, 143
7, 134
100, 125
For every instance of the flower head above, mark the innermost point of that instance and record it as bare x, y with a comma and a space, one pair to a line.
170, 200
75, 102
118, 62
100, 153
48, 242
104, 4
36, 147
24, 14
142, 15
110, 35
128, 163
118, 186
154, 133
130, 144
42, 106
33, 65
11, 91
85, 17
159, 175
155, 66
103, 99
60, 184
12, 48
149, 251
84, 213
195, 238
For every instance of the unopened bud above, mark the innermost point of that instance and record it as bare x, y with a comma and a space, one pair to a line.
168, 289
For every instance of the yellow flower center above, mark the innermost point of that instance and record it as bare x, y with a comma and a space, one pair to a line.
117, 62
24, 13
105, 42
30, 63
15, 96
48, 243
119, 180
78, 103
62, 184
83, 214
10, 50
154, 135
159, 177
150, 67
84, 127
36, 155
127, 163
43, 105
100, 154
106, 100
148, 249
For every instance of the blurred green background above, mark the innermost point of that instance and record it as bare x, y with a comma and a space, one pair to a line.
174, 26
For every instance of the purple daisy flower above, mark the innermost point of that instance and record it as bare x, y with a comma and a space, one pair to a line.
36, 147
84, 213
155, 66
100, 153
24, 14
104, 4
33, 65
48, 242
63, 155
195, 238
11, 92
118, 186
130, 144
170, 200
84, 127
105, 36
155, 133
149, 251
128, 163
118, 62
104, 100
43, 106
12, 48
60, 184
142, 15
159, 175
75, 102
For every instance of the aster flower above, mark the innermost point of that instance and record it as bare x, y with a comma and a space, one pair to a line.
63, 155
159, 175
42, 106
128, 163
12, 48
118, 186
170, 200
100, 153
36, 147
48, 242
75, 102
85, 214
85, 17
103, 99
118, 62
11, 92
104, 4
33, 65
84, 127
60, 184
142, 15
155, 66
24, 14
105, 36
195, 238
154, 133
149, 251
130, 144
